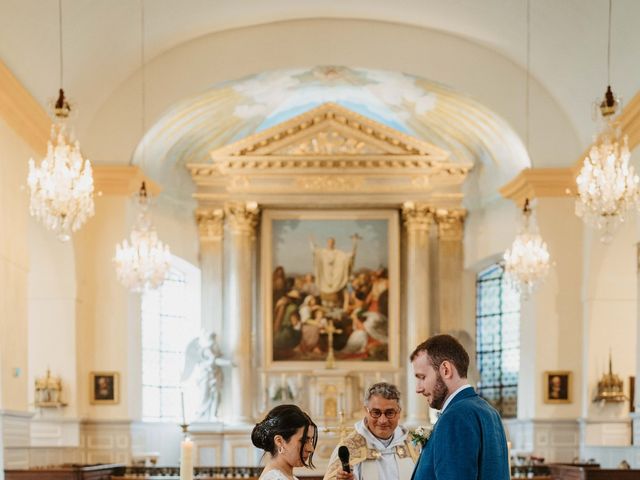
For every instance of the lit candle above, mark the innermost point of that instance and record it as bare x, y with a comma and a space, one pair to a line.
184, 421
186, 459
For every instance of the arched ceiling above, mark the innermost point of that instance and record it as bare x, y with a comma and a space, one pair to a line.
228, 112
102, 39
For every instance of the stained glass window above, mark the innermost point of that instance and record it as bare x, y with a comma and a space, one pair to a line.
170, 319
498, 339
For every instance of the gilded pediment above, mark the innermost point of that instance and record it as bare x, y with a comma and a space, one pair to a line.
330, 130
327, 155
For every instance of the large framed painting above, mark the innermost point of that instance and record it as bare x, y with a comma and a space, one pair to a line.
330, 288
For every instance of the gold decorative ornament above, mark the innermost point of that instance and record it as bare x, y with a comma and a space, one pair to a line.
610, 387
49, 391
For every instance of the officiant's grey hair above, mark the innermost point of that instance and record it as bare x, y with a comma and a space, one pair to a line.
384, 390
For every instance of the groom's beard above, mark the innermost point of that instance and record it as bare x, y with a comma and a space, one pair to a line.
440, 392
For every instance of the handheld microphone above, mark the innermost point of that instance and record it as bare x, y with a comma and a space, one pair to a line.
343, 454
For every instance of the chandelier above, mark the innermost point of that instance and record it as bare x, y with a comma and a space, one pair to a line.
527, 262
61, 188
143, 263
608, 186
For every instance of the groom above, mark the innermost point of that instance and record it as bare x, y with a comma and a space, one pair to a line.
468, 440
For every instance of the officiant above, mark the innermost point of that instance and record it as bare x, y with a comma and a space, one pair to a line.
379, 448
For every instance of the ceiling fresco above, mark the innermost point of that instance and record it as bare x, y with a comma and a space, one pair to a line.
233, 110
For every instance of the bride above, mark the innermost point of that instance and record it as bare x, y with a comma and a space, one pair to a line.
289, 435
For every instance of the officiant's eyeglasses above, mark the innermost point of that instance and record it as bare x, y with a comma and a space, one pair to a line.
389, 413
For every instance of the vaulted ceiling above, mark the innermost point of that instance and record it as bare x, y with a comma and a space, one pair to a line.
102, 58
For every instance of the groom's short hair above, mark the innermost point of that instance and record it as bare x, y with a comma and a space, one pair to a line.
444, 347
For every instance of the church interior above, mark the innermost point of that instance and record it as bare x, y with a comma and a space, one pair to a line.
275, 202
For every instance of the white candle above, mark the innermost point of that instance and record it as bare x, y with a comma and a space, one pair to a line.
186, 459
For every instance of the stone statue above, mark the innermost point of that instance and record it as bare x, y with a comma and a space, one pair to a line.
204, 355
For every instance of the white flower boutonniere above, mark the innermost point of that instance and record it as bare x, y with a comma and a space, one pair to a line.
420, 436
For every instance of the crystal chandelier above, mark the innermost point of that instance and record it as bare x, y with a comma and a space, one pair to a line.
527, 262
608, 186
61, 188
144, 263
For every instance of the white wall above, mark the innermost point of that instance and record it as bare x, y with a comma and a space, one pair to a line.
14, 269
610, 315
52, 307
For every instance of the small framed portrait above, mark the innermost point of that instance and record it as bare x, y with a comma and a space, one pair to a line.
557, 387
105, 388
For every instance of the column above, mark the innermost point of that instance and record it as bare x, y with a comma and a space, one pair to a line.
417, 221
242, 220
449, 258
210, 230
635, 416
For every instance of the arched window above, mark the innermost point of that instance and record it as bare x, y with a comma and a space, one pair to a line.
170, 319
498, 339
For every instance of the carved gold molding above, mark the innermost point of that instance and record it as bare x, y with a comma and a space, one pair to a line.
269, 164
417, 216
540, 182
450, 224
560, 182
121, 180
243, 217
210, 224
22, 112
329, 119
329, 150
331, 183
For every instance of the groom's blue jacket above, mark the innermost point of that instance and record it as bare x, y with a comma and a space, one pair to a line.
467, 443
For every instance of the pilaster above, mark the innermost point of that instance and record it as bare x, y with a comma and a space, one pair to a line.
242, 219
449, 259
211, 234
418, 219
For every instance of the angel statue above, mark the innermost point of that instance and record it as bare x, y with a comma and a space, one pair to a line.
204, 355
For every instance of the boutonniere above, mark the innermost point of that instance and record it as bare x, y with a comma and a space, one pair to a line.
420, 436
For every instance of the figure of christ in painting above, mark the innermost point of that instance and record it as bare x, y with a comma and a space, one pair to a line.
332, 270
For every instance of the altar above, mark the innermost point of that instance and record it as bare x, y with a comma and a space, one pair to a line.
310, 228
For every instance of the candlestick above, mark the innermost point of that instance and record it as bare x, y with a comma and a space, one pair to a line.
186, 459
184, 421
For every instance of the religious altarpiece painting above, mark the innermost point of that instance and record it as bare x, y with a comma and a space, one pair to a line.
330, 288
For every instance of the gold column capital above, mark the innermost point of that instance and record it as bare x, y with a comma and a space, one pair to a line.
417, 216
243, 216
210, 224
450, 224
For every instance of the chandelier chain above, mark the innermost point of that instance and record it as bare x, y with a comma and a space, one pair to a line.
609, 46
60, 50
143, 106
528, 80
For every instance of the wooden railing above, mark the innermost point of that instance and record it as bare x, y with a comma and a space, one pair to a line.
200, 472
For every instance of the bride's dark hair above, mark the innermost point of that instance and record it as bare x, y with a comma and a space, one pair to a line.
284, 420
